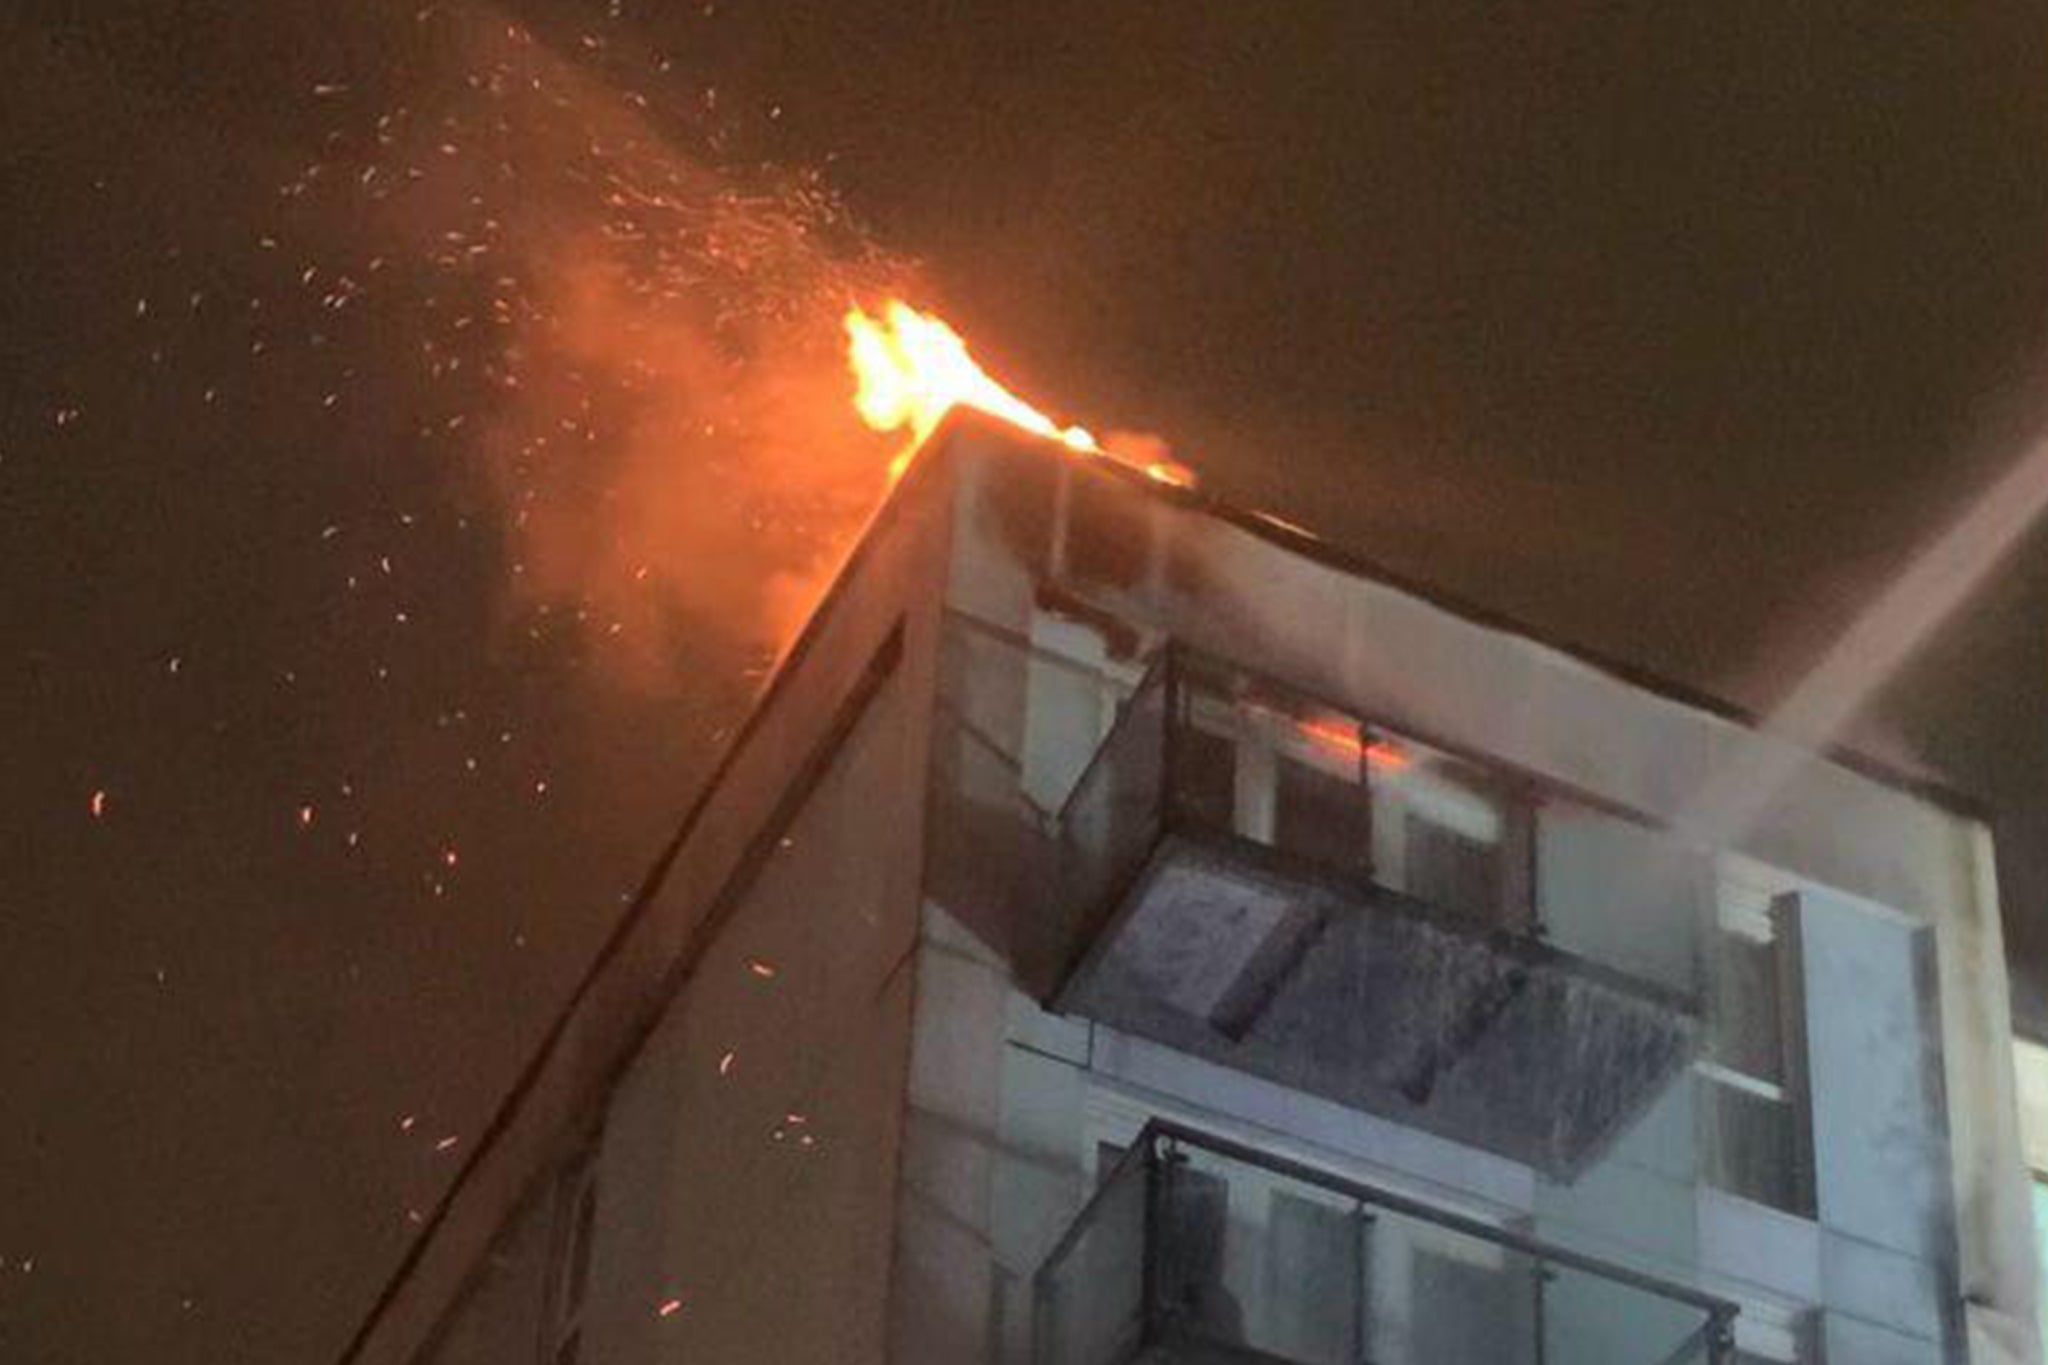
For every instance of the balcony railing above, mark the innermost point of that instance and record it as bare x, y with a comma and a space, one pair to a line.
1198, 1249
1250, 876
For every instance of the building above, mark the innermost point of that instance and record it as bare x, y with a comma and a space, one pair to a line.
1128, 929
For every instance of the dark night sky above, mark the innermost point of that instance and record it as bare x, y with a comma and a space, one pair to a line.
1673, 338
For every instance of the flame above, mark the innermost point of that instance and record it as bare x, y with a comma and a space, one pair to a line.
1337, 738
1341, 740
910, 369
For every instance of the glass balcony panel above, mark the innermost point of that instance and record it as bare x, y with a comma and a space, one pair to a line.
1250, 1262
1592, 1320
1107, 828
1090, 1306
1252, 877
1237, 1258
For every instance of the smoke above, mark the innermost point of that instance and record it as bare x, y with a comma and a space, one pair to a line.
669, 468
637, 348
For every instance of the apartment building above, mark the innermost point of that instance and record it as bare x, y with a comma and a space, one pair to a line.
1130, 929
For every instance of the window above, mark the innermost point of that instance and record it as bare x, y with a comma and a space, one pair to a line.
1446, 833
1360, 801
1753, 1123
1322, 814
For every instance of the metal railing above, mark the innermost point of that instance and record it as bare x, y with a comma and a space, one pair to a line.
1199, 1248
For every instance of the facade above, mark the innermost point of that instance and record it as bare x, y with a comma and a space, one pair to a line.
1129, 931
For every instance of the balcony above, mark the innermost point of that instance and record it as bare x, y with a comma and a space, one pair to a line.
1259, 880
1199, 1251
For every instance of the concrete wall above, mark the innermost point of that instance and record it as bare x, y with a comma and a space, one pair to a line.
497, 1318
745, 1168
749, 1153
887, 589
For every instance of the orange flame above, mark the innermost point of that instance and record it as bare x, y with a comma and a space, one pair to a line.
1335, 737
910, 369
1341, 740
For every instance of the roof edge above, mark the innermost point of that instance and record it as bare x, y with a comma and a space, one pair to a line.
1306, 543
